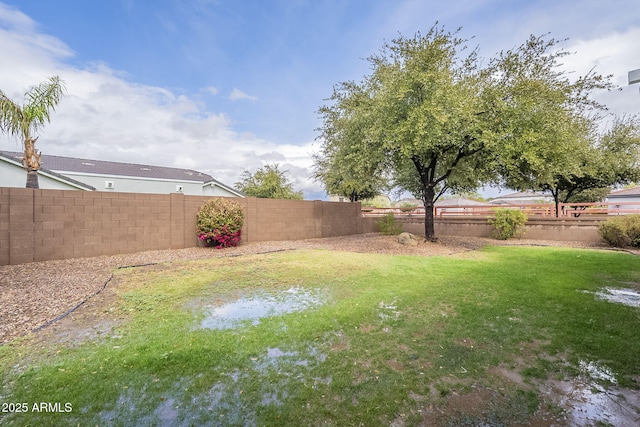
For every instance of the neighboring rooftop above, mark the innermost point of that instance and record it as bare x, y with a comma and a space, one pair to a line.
522, 194
101, 167
459, 201
626, 192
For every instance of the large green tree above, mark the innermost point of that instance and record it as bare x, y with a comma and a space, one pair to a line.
420, 112
436, 120
25, 120
268, 182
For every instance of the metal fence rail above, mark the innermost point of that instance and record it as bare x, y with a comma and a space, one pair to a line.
566, 210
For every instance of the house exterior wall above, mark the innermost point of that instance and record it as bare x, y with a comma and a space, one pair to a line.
216, 191
12, 175
626, 199
124, 184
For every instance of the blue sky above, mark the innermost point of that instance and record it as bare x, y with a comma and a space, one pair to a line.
228, 85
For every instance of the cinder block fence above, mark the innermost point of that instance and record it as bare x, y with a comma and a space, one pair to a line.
39, 225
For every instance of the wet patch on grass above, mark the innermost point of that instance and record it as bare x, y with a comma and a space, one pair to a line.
236, 397
250, 309
630, 297
593, 398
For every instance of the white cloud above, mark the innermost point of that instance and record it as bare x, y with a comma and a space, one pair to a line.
211, 90
237, 94
616, 54
105, 116
613, 54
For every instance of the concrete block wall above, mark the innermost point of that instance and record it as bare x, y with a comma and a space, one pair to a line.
563, 229
40, 225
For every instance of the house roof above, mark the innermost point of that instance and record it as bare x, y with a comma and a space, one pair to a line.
522, 194
459, 201
101, 167
11, 158
626, 192
215, 182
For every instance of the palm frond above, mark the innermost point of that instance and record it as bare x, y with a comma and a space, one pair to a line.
11, 116
42, 99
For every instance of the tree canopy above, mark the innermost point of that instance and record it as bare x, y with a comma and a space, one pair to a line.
433, 119
610, 158
268, 182
25, 120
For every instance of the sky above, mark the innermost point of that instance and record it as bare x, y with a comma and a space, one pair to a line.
224, 86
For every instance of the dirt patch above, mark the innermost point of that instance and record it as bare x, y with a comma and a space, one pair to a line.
97, 319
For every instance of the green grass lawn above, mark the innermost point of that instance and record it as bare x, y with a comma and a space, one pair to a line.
384, 340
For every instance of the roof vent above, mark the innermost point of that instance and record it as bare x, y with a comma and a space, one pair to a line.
109, 185
88, 164
145, 169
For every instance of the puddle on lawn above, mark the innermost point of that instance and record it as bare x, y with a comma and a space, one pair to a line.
258, 306
593, 397
628, 297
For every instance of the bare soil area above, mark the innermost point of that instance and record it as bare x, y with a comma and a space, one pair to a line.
36, 294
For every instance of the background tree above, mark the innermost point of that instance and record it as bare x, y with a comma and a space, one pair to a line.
435, 120
551, 121
268, 182
25, 120
585, 168
345, 165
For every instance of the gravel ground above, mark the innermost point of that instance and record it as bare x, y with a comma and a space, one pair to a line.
34, 294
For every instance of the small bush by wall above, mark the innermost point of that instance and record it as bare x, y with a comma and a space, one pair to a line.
507, 223
621, 231
219, 223
387, 224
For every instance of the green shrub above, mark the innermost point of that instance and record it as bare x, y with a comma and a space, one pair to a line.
387, 224
408, 207
621, 231
219, 222
507, 223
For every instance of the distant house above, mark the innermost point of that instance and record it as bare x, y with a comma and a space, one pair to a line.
522, 198
625, 195
380, 201
71, 173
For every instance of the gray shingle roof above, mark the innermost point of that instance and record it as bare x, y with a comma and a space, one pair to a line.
101, 167
626, 192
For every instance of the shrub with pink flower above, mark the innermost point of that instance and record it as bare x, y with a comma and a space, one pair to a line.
219, 223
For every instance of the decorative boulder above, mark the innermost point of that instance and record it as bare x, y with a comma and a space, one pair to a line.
407, 239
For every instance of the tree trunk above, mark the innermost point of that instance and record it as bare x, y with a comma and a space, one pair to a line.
428, 194
32, 179
31, 162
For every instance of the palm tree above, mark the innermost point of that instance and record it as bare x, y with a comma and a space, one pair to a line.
24, 121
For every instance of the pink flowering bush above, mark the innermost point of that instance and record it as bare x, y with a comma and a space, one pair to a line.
219, 223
